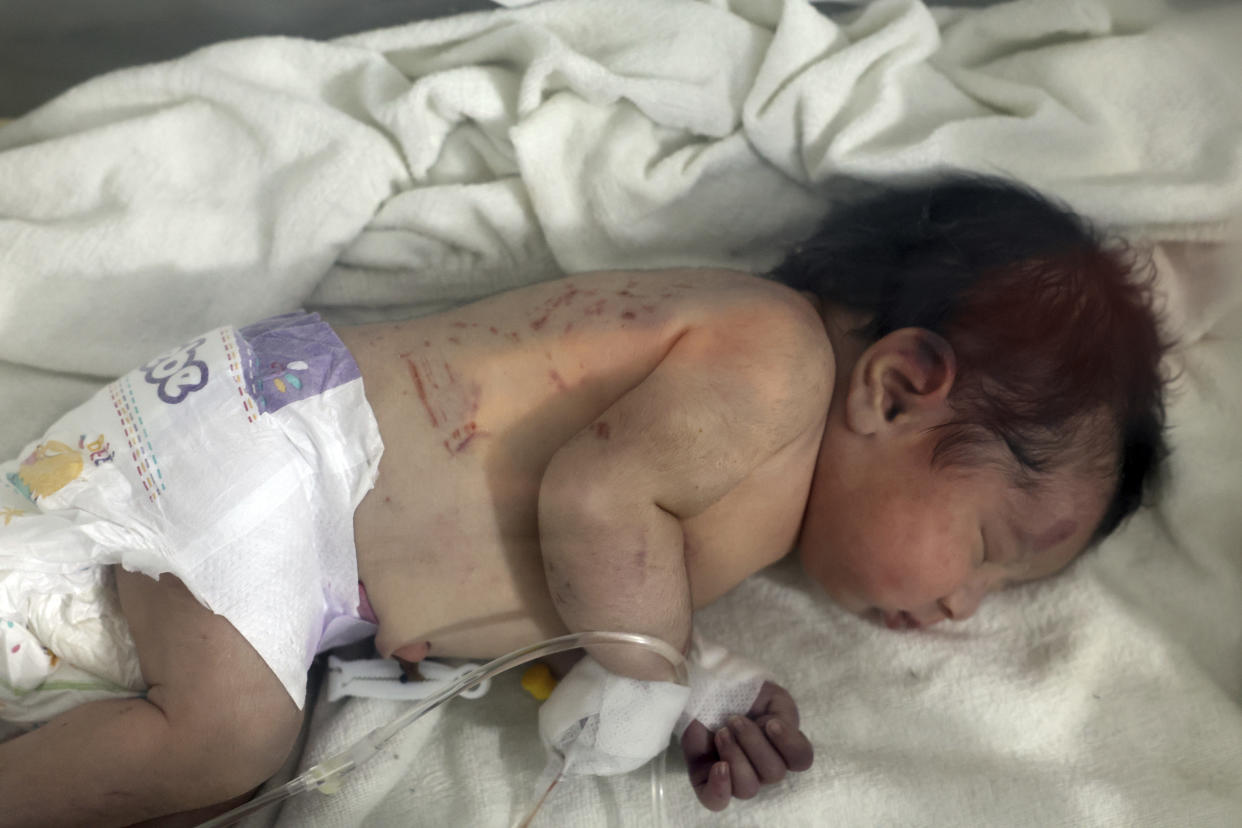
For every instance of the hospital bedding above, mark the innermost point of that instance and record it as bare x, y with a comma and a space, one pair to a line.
405, 170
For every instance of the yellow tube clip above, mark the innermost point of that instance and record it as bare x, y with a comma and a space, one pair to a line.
539, 681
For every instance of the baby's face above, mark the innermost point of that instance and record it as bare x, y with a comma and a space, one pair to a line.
890, 537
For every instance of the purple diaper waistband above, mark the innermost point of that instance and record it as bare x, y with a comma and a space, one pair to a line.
293, 357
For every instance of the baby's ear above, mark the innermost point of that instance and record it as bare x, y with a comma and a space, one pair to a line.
901, 381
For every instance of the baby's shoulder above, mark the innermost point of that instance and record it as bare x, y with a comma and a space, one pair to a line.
771, 339
782, 327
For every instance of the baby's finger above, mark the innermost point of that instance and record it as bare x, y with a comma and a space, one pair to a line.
717, 789
708, 776
790, 742
769, 765
742, 775
775, 700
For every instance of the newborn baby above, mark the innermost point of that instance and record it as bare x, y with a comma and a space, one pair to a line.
951, 387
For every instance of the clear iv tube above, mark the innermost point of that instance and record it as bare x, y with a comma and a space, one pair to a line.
326, 776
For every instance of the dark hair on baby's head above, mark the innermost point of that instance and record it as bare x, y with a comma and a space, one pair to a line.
1057, 343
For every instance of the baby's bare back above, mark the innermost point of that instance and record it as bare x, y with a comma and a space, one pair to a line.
473, 403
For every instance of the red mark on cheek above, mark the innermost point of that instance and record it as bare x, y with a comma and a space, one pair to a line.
460, 325
493, 329
1058, 532
422, 392
536, 324
602, 431
557, 380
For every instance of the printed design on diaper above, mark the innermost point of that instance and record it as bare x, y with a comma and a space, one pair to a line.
292, 358
8, 513
141, 452
232, 355
177, 374
279, 378
52, 466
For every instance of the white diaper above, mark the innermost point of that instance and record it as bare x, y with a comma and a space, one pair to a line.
235, 462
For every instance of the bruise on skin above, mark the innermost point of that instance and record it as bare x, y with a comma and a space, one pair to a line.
557, 380
629, 314
567, 298
561, 594
462, 437
457, 401
559, 585
1058, 532
422, 391
596, 308
551, 305
640, 561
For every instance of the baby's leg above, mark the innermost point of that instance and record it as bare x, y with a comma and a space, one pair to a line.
215, 724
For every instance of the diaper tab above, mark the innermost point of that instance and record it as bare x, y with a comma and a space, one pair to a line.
292, 357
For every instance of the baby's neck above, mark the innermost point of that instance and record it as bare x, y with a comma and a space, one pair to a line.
840, 322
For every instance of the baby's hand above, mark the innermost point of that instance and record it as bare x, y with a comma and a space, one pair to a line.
750, 751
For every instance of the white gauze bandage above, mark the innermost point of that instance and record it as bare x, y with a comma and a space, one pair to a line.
722, 684
603, 724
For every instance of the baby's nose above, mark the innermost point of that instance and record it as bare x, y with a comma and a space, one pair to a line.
961, 603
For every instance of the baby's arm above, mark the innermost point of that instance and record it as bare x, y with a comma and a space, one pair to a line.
726, 397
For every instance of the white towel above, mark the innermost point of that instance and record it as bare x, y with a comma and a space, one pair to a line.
403, 170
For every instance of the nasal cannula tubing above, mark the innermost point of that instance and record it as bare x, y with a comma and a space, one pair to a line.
326, 776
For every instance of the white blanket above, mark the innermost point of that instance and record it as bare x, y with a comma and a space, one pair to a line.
404, 170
